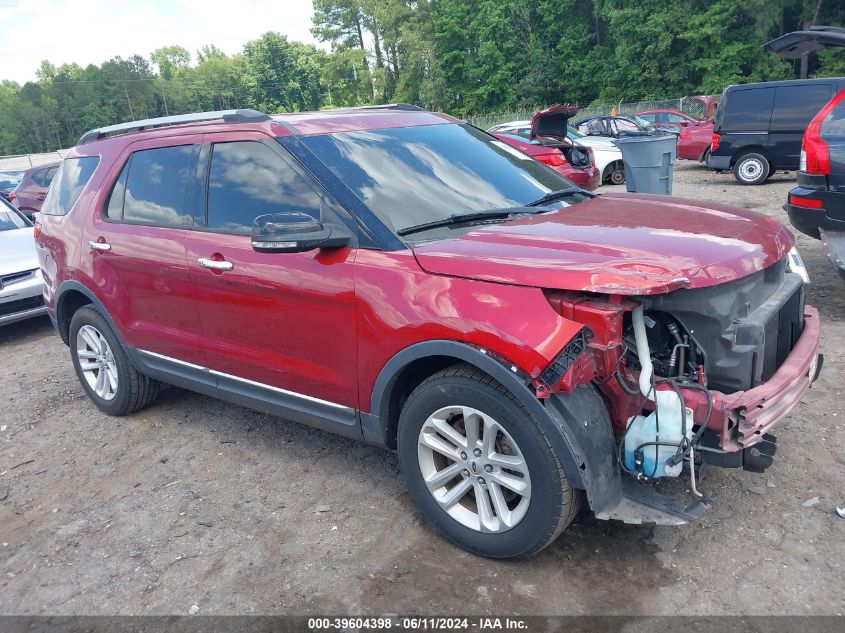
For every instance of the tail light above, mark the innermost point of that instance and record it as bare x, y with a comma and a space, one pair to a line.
555, 159
714, 143
37, 225
815, 153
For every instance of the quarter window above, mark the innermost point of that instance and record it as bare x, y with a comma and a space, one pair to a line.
154, 187
248, 179
71, 179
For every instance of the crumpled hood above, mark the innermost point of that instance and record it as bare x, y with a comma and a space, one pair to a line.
629, 244
17, 250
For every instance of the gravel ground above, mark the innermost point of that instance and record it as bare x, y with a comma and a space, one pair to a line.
198, 502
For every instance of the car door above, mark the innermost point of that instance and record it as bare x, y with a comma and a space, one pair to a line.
137, 248
278, 326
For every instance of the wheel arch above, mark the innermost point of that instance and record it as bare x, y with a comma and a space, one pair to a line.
409, 367
72, 295
750, 149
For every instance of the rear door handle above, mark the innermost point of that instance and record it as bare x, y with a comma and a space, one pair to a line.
99, 246
214, 264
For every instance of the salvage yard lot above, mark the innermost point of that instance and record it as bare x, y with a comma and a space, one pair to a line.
198, 502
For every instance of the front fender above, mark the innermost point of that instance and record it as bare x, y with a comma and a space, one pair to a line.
568, 442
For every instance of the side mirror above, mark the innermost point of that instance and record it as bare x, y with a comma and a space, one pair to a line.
294, 232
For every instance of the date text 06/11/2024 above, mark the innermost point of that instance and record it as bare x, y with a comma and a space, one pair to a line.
430, 623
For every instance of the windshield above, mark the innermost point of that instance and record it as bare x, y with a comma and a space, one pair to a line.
571, 132
11, 219
414, 175
642, 121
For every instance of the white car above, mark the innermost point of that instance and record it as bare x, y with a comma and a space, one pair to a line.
21, 284
607, 155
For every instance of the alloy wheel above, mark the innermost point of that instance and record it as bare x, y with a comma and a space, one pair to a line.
96, 362
474, 469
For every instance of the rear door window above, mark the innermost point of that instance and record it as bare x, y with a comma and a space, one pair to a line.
71, 179
248, 179
748, 110
795, 106
155, 187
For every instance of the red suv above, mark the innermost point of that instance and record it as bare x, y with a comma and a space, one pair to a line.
402, 278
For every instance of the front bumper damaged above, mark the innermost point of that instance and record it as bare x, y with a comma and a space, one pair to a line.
743, 418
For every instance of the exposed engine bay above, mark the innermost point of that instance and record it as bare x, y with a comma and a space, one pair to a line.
678, 371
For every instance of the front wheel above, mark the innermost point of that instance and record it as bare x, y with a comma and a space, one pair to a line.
617, 176
480, 468
751, 169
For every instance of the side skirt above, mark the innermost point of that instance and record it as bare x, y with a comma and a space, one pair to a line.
320, 414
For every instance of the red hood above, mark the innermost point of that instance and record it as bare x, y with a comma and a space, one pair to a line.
630, 244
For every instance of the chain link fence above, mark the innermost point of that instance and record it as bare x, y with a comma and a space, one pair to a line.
687, 105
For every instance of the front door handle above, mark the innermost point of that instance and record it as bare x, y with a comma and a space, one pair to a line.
99, 246
214, 264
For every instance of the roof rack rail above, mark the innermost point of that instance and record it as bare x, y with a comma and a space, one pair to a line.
392, 106
229, 116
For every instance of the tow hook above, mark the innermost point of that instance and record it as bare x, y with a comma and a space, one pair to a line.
759, 457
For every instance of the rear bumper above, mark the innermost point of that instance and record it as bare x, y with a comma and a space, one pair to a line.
589, 178
741, 419
691, 149
809, 220
22, 300
720, 163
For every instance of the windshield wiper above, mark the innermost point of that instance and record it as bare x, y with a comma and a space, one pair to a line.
559, 195
463, 218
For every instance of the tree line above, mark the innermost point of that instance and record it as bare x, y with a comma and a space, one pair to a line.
460, 56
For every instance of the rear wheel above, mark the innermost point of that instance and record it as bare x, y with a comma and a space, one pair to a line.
751, 169
480, 468
706, 158
103, 368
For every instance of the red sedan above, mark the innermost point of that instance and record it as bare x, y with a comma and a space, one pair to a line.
588, 176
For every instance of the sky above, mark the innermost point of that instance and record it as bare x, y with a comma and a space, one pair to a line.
93, 31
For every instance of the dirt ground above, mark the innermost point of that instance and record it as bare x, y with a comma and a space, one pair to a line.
197, 504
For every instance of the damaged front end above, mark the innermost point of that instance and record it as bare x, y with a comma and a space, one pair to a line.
691, 377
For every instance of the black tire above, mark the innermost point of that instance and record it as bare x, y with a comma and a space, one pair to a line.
553, 502
706, 158
751, 169
617, 176
134, 391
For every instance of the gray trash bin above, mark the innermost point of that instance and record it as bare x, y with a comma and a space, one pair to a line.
648, 162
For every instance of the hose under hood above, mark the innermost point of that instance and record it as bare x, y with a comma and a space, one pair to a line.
664, 400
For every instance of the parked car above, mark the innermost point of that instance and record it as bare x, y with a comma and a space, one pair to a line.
817, 205
573, 163
607, 156
694, 142
21, 283
402, 278
759, 127
616, 126
669, 118
30, 192
8, 181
